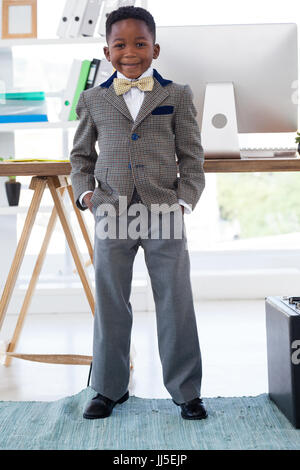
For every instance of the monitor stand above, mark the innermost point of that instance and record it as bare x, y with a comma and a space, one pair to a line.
219, 132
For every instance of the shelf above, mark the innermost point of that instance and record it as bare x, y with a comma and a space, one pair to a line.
53, 41
16, 126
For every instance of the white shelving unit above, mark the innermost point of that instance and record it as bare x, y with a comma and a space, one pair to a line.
15, 126
52, 41
5, 48
8, 238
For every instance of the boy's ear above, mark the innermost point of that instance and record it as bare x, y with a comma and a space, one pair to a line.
106, 53
156, 51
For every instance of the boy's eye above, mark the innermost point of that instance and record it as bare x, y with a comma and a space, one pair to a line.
138, 44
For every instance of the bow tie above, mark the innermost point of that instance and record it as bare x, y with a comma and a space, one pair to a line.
121, 85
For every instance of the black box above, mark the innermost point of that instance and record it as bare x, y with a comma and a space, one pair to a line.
283, 352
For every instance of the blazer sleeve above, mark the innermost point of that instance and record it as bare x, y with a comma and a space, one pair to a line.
189, 150
83, 156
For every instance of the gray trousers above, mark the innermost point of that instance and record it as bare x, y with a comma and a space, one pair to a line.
168, 265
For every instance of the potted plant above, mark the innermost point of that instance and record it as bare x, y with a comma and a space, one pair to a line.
13, 190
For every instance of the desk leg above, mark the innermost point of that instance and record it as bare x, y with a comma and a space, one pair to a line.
54, 184
38, 184
33, 281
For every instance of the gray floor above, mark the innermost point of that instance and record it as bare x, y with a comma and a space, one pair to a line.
232, 338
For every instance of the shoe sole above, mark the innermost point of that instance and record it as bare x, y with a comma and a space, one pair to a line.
122, 400
194, 417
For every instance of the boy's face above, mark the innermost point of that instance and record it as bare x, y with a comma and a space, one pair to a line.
130, 47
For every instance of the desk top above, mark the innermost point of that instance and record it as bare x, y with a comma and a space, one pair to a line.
210, 166
252, 165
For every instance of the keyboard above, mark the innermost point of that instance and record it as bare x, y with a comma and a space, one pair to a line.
279, 152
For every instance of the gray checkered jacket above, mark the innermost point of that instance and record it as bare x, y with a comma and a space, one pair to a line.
147, 152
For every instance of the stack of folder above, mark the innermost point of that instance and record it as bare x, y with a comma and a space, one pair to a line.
80, 17
83, 75
23, 107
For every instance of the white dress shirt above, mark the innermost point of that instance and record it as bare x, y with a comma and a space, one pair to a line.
134, 98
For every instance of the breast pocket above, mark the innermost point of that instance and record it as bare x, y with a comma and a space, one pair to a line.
163, 110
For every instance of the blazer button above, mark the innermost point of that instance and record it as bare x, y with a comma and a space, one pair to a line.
134, 136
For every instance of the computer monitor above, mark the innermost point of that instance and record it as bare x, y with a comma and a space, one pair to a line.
243, 78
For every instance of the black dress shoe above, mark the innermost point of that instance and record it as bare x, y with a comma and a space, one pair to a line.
193, 409
101, 407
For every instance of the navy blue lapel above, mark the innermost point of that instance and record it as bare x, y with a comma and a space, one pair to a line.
109, 81
160, 79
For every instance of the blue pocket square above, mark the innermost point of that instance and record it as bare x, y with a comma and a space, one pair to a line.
163, 110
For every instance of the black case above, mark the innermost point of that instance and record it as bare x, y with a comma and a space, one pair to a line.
283, 352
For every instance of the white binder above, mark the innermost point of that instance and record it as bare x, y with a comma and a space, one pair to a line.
70, 89
108, 7
65, 19
125, 3
77, 18
90, 18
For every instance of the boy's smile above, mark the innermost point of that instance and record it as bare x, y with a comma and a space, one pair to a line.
131, 48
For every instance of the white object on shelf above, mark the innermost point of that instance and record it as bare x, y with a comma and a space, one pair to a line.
109, 6
90, 19
77, 18
125, 3
66, 18
70, 90
23, 107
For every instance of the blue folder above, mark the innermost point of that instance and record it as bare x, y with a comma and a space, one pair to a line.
24, 118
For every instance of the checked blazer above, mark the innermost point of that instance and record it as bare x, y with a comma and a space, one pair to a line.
160, 152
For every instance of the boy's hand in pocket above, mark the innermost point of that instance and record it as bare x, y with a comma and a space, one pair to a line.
87, 201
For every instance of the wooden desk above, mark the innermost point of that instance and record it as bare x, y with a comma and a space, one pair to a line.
252, 165
210, 166
54, 175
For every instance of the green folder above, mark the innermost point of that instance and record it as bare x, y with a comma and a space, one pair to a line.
83, 76
32, 96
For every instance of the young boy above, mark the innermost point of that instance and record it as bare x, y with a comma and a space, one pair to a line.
140, 121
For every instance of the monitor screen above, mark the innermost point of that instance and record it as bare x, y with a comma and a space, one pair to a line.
260, 60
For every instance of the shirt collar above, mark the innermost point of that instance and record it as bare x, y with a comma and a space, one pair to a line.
147, 73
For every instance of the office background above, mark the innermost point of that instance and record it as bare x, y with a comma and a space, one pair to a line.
243, 235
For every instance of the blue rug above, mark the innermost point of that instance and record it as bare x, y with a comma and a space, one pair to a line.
233, 423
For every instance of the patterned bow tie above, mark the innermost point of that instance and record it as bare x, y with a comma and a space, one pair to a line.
121, 85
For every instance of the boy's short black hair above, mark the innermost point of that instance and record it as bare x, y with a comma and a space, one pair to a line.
138, 13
